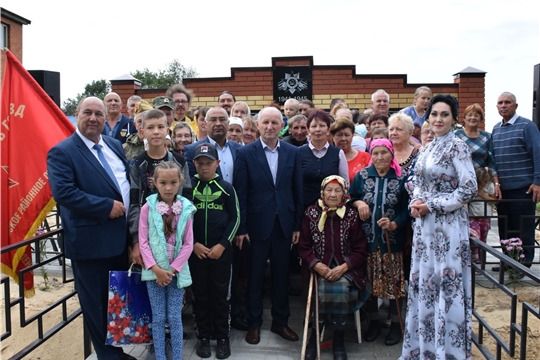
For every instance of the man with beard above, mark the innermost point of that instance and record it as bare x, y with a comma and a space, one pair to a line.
182, 102
226, 100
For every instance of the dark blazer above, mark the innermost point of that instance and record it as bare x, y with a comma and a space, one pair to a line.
189, 152
126, 127
260, 200
85, 193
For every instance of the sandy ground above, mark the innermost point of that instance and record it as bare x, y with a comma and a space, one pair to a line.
66, 344
492, 304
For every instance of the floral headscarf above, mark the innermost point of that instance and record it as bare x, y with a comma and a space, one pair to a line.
340, 209
387, 144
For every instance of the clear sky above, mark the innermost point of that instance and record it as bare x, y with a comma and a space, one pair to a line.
427, 40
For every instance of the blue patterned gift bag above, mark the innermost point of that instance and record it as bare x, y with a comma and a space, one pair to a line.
129, 315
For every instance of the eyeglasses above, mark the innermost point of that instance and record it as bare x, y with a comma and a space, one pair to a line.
181, 102
428, 132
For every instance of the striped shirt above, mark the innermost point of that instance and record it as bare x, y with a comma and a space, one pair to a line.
516, 148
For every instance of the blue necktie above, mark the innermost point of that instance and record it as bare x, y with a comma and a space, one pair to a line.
106, 165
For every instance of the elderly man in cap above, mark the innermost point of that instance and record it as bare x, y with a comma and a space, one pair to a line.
165, 104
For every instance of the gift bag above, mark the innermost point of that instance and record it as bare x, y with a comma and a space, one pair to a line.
129, 315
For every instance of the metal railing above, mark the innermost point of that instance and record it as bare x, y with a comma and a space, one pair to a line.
527, 309
56, 237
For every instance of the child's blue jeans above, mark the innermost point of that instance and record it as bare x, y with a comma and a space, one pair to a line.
166, 302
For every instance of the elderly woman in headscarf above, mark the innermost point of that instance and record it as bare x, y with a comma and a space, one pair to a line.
333, 245
379, 195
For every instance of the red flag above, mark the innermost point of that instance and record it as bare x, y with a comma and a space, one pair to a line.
31, 124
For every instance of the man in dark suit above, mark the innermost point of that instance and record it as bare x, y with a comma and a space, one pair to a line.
88, 173
217, 125
268, 181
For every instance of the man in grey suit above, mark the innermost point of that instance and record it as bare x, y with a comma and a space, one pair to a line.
88, 173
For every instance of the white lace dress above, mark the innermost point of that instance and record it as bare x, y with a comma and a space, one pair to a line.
439, 307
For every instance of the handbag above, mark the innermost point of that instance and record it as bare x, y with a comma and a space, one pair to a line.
129, 314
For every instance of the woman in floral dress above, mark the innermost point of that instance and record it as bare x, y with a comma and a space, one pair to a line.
439, 311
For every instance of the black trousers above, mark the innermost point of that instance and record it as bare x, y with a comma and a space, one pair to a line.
276, 248
92, 284
210, 291
241, 268
520, 220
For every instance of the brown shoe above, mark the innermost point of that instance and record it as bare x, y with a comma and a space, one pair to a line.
285, 332
253, 336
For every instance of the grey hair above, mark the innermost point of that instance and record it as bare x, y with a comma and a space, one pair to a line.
406, 119
217, 108
296, 118
134, 97
382, 92
184, 125
507, 93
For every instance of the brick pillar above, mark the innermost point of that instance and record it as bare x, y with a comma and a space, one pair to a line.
472, 89
125, 86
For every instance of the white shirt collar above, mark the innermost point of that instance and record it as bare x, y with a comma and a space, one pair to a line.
89, 143
268, 147
513, 119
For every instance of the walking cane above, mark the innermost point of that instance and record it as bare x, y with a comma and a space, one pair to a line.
306, 321
312, 282
394, 287
318, 340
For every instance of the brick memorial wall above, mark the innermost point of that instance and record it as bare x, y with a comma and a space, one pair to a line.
256, 86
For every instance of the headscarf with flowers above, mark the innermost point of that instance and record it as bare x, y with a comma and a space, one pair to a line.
387, 144
340, 209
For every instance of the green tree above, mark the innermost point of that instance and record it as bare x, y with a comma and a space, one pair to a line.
97, 88
174, 73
